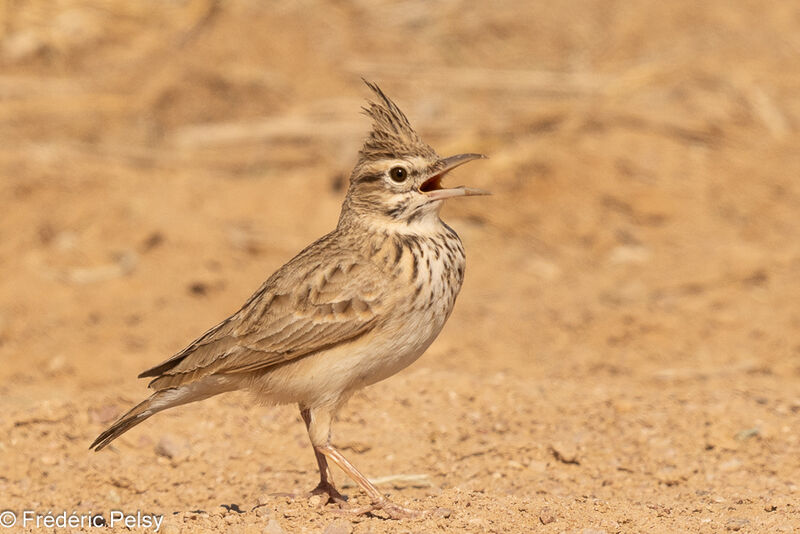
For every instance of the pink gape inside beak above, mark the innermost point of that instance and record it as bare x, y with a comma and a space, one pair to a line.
432, 187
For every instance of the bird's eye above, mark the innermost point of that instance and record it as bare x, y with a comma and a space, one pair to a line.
398, 174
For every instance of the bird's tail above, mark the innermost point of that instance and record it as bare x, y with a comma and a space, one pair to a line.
161, 400
135, 416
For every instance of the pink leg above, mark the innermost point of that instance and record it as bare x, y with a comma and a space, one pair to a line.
379, 502
318, 423
325, 485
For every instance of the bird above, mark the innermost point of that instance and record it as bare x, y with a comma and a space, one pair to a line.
355, 307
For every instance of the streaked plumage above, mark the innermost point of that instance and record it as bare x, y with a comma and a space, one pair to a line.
353, 308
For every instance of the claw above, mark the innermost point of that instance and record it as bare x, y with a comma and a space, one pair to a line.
326, 488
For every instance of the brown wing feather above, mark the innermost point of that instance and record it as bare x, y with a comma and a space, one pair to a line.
302, 309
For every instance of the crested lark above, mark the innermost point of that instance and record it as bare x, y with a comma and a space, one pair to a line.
355, 307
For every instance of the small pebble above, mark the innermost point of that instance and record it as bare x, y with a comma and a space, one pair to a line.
565, 453
338, 527
167, 447
442, 512
546, 516
736, 523
273, 527
734, 464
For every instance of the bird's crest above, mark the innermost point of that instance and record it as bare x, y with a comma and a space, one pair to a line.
392, 135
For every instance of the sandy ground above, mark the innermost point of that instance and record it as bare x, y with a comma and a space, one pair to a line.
624, 355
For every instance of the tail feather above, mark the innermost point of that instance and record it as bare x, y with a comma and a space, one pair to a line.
161, 400
135, 416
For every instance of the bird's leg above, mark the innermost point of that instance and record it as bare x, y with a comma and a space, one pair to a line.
318, 423
325, 476
379, 502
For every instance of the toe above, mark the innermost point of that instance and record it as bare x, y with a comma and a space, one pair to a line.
330, 491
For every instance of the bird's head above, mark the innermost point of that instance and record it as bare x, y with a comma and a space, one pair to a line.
398, 177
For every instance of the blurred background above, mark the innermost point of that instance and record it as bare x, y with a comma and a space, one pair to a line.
624, 354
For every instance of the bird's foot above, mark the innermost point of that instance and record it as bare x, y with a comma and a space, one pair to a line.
329, 490
394, 511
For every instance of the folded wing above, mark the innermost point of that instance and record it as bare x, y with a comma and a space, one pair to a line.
304, 308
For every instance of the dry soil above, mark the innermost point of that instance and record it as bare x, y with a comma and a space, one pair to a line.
624, 355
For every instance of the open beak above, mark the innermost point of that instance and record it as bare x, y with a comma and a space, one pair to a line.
432, 187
